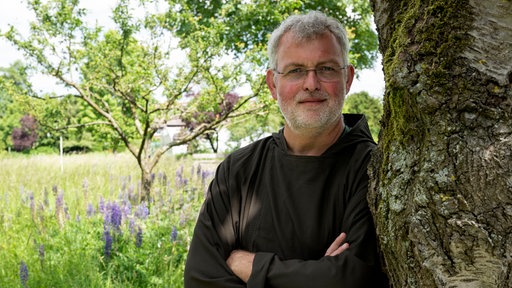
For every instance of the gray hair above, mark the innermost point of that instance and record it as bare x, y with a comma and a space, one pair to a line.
306, 27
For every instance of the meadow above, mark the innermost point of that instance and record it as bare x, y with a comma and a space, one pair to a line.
77, 223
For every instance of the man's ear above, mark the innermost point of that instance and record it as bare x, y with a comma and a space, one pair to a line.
350, 78
271, 83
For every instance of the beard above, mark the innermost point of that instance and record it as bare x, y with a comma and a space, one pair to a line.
300, 116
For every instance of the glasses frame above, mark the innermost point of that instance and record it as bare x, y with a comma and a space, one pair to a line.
306, 72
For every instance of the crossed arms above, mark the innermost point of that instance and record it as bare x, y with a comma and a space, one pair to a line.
240, 261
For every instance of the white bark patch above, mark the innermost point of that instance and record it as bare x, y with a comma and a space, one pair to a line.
491, 51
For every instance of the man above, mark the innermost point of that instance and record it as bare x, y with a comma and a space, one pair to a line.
290, 210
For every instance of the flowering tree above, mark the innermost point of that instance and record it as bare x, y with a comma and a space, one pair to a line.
24, 137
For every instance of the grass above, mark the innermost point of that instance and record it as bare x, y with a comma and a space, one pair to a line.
75, 224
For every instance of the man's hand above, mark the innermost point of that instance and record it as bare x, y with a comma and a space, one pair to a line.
337, 246
240, 263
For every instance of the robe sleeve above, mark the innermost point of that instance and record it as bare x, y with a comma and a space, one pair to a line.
213, 240
358, 266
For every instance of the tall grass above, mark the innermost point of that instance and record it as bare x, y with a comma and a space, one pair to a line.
78, 224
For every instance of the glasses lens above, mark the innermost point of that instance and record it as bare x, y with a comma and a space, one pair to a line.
324, 74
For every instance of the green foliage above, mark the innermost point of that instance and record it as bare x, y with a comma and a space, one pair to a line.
363, 103
62, 241
244, 26
14, 86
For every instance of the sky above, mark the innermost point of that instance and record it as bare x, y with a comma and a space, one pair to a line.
15, 12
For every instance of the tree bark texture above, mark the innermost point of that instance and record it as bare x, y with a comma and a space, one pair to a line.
441, 178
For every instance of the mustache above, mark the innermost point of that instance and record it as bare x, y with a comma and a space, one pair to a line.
315, 95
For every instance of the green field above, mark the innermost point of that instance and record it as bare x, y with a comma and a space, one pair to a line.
76, 222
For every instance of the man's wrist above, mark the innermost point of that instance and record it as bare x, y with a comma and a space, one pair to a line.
240, 262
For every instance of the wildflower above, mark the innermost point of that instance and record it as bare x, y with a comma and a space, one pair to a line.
108, 242
130, 191
198, 170
101, 205
138, 237
115, 216
32, 205
204, 175
54, 189
23, 274
59, 203
59, 208
142, 211
127, 208
123, 183
90, 210
174, 234
131, 226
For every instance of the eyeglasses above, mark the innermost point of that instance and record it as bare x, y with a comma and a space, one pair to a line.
324, 73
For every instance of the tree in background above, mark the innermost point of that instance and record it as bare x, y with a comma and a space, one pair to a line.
136, 74
441, 177
14, 87
363, 103
24, 137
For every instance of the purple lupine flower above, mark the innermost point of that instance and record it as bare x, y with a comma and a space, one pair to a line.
23, 273
142, 211
138, 237
164, 179
32, 204
127, 208
115, 216
123, 183
204, 175
108, 242
174, 234
183, 218
198, 173
90, 210
130, 192
59, 205
40, 210
101, 205
131, 226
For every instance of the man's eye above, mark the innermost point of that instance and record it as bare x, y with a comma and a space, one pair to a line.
326, 69
295, 71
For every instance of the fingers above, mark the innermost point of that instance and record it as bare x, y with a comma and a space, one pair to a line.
338, 251
337, 247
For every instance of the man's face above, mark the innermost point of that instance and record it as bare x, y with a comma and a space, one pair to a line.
309, 103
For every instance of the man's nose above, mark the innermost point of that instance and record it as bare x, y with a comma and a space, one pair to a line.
311, 81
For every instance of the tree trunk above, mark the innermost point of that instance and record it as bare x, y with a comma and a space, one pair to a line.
441, 178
